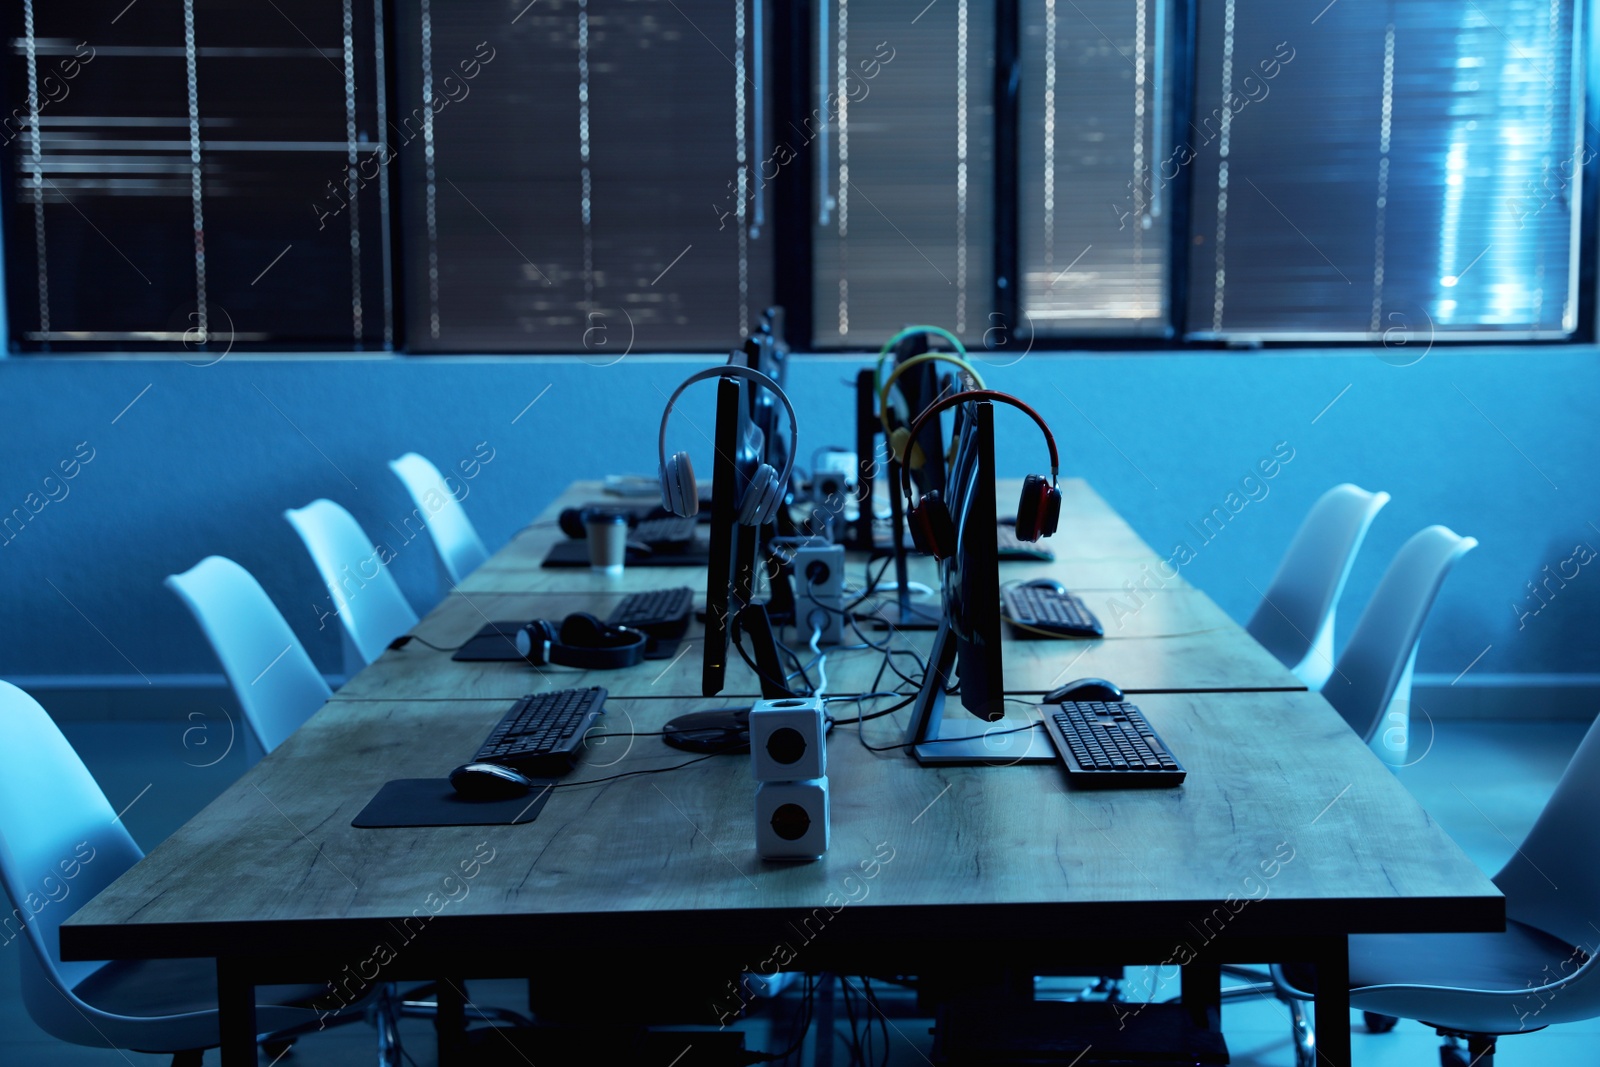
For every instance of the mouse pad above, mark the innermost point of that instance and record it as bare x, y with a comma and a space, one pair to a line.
495, 642
432, 802
573, 553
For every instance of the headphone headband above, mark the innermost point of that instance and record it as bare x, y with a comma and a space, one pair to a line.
937, 331
932, 411
750, 375
914, 361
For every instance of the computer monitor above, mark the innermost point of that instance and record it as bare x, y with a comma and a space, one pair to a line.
969, 634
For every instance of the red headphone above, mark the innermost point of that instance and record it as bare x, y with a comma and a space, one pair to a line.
933, 531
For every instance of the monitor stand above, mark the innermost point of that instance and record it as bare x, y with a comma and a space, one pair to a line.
905, 615
989, 743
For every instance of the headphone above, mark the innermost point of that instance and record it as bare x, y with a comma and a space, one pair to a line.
900, 439
760, 498
580, 640
933, 531
911, 331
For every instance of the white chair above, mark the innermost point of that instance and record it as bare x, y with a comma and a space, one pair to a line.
365, 595
1540, 971
1371, 682
1294, 620
60, 844
458, 549
274, 680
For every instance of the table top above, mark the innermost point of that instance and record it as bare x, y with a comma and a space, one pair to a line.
1287, 824
1283, 807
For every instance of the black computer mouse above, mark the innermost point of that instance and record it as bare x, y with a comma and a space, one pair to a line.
1045, 583
489, 781
1085, 689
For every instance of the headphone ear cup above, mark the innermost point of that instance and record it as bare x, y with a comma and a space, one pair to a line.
760, 497
932, 530
906, 450
899, 438
1038, 509
679, 493
532, 640
572, 523
581, 629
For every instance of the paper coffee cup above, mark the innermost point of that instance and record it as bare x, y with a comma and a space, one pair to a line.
608, 539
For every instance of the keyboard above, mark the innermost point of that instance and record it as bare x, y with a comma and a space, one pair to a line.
542, 735
659, 612
1110, 746
668, 530
1059, 614
1012, 548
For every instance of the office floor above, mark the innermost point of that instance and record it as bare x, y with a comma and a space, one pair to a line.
1484, 782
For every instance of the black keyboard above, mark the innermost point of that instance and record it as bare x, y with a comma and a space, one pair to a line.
668, 531
659, 612
542, 735
1110, 746
1043, 608
1013, 548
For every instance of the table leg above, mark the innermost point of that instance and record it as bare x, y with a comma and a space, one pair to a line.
236, 1003
451, 1021
1202, 994
1333, 1002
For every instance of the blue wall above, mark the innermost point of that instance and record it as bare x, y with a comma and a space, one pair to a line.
1498, 444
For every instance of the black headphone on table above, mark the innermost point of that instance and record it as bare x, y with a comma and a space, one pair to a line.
580, 640
933, 531
759, 501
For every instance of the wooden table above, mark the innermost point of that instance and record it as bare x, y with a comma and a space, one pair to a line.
1288, 836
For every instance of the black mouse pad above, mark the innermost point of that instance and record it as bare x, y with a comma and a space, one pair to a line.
575, 553
495, 642
432, 802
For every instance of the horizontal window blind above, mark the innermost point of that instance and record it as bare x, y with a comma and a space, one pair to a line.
1096, 198
902, 133
1387, 166
185, 175
581, 175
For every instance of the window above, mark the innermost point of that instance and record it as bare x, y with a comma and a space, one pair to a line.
903, 230
185, 176
579, 172
1095, 233
1392, 166
603, 176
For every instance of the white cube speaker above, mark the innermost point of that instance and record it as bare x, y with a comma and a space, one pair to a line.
786, 740
792, 819
819, 591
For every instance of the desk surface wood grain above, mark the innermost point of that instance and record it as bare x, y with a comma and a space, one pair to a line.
1286, 825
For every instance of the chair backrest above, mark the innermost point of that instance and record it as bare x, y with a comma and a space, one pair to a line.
274, 680
365, 595
459, 548
1382, 645
1294, 620
60, 840
1553, 880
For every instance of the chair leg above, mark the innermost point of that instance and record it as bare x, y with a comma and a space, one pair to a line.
1305, 1034
1479, 1052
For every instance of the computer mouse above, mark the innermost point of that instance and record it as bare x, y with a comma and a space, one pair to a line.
1045, 583
1085, 689
489, 781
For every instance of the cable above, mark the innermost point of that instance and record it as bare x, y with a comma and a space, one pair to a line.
943, 740
732, 743
822, 662
405, 639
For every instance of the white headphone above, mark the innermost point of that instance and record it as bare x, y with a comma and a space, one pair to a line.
759, 501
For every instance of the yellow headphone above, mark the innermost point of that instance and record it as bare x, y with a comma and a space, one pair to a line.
900, 438
937, 331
